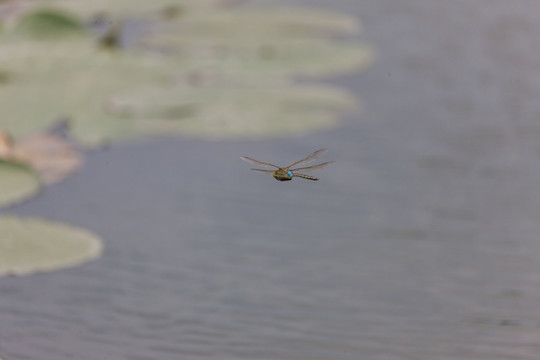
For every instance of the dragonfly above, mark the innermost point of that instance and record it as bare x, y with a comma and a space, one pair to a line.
286, 173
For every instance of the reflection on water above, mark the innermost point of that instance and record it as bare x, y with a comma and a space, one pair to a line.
421, 242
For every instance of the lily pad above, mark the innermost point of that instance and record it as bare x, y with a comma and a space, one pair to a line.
31, 245
48, 24
125, 7
51, 80
50, 155
221, 110
263, 59
17, 182
257, 42
258, 22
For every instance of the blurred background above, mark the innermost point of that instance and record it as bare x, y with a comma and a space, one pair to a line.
420, 242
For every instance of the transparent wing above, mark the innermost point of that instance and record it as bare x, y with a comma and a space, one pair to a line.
313, 167
311, 157
257, 162
270, 172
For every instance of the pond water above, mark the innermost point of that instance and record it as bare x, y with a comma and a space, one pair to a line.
421, 242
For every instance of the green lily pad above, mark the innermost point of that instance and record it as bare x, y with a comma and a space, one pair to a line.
73, 79
49, 24
124, 7
258, 42
220, 111
32, 245
257, 22
263, 59
17, 182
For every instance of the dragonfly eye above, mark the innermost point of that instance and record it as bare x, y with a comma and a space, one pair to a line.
289, 173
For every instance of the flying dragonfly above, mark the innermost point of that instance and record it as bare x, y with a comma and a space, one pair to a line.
286, 173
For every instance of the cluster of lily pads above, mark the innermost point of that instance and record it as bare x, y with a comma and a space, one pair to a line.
129, 69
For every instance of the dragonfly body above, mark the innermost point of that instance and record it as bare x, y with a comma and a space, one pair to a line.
288, 172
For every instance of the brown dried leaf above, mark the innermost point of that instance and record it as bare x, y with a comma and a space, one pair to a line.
52, 156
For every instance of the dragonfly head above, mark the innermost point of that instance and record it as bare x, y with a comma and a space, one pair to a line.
289, 173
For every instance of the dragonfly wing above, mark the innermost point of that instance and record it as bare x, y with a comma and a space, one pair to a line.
311, 157
270, 172
313, 167
257, 162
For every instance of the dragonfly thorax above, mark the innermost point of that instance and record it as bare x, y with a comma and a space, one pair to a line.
283, 174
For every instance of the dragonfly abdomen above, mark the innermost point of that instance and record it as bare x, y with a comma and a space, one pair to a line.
305, 176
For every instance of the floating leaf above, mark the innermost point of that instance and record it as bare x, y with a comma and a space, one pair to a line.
258, 42
68, 78
17, 182
48, 24
52, 156
261, 23
32, 245
269, 58
218, 110
124, 7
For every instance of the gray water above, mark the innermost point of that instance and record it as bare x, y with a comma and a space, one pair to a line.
421, 242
